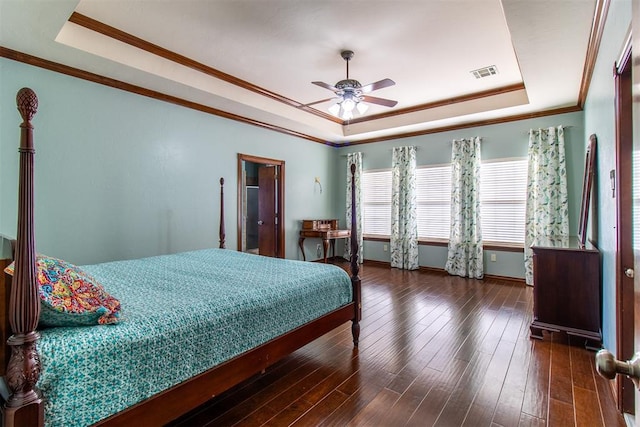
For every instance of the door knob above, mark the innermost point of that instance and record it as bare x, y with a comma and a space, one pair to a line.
629, 273
608, 366
260, 222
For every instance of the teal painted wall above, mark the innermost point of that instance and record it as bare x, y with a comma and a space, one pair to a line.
498, 141
137, 177
599, 113
122, 176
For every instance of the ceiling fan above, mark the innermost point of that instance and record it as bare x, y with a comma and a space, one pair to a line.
351, 95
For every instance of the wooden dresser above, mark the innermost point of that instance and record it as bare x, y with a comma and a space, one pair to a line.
567, 291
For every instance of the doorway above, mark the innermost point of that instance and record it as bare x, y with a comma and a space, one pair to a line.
261, 205
621, 182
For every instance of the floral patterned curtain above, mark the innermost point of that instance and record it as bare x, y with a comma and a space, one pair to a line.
464, 257
547, 214
404, 223
354, 158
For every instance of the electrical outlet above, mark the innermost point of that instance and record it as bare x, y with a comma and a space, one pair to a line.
385, 248
493, 257
319, 250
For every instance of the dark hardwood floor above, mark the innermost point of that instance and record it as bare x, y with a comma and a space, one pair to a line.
434, 350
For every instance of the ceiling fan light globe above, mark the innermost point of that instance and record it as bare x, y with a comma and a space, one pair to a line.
347, 115
362, 107
348, 104
334, 109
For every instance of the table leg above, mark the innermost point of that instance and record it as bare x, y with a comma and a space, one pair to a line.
301, 244
325, 244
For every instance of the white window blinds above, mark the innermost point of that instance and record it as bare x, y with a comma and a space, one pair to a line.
503, 193
376, 204
503, 197
433, 185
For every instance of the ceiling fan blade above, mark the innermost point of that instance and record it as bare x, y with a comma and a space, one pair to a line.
379, 101
377, 85
326, 86
317, 102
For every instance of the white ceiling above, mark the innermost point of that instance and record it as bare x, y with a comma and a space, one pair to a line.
428, 47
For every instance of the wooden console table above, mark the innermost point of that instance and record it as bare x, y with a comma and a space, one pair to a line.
325, 229
566, 290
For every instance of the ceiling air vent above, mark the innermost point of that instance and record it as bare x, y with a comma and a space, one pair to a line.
480, 73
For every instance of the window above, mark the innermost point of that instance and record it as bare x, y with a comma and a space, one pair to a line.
433, 185
503, 192
376, 202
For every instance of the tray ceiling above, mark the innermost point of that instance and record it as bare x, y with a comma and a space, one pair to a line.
256, 59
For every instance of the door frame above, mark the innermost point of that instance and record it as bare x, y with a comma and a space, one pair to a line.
635, 65
280, 249
625, 390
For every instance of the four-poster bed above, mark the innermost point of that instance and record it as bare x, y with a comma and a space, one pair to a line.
35, 353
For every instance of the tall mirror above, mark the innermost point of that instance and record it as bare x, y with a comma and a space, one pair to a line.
261, 206
587, 183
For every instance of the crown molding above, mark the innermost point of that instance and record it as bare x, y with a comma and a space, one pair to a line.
117, 84
124, 37
595, 37
127, 87
476, 123
441, 103
116, 34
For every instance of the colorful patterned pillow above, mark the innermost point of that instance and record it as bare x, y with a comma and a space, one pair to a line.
70, 297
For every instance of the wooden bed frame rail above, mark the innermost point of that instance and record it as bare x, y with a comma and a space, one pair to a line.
22, 404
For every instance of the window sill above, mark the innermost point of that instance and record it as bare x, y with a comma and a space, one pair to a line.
376, 238
503, 246
493, 246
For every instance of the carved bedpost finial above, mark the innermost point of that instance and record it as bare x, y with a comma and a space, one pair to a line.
27, 102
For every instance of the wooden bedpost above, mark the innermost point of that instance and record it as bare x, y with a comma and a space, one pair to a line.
24, 405
221, 233
355, 265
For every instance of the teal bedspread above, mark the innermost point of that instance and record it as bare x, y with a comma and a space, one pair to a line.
183, 314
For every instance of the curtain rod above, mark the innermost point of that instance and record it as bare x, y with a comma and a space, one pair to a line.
391, 149
563, 127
